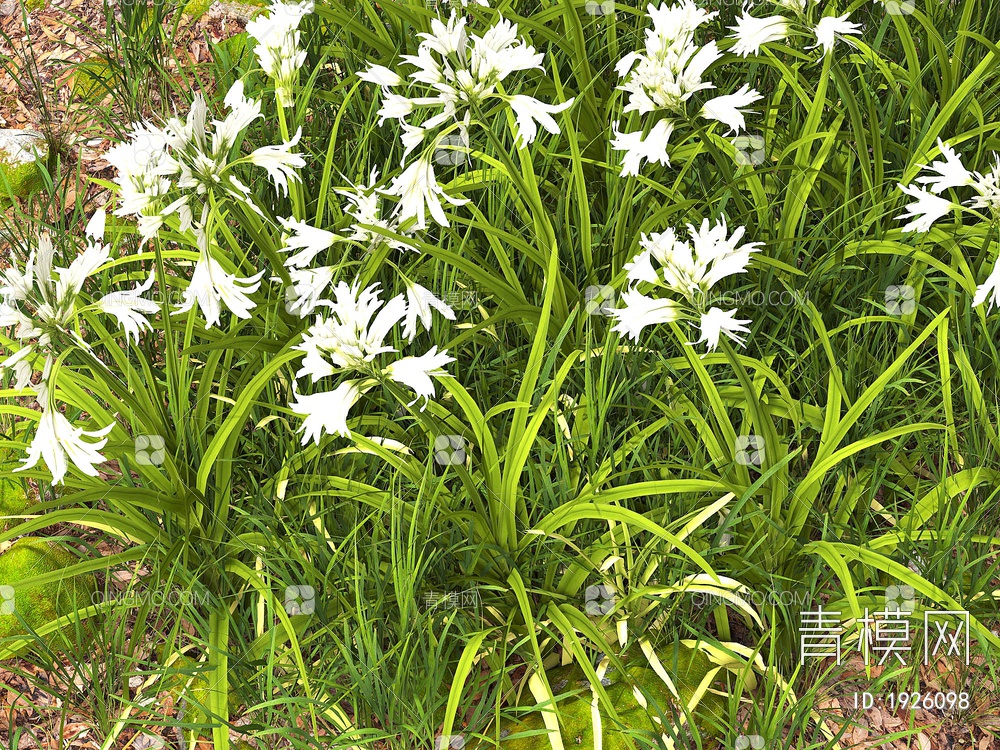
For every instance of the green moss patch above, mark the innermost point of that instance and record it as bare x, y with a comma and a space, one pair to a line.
38, 605
574, 696
20, 155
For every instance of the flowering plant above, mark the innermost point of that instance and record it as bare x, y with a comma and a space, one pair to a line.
332, 346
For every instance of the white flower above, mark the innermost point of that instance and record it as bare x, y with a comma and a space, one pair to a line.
419, 302
56, 439
21, 366
142, 165
365, 209
950, 172
418, 191
327, 412
381, 75
716, 322
640, 268
279, 162
416, 372
307, 239
692, 269
96, 224
277, 47
829, 28
988, 187
928, 209
989, 289
83, 266
639, 148
753, 33
796, 6
211, 285
308, 286
641, 311
725, 109
353, 335
530, 111
129, 308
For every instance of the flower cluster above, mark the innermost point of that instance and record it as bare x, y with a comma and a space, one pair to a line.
352, 339
672, 68
277, 35
184, 159
42, 304
456, 75
689, 269
751, 33
929, 205
665, 76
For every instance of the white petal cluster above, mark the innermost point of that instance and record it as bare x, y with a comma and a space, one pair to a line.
278, 40
452, 73
166, 170
830, 28
944, 174
689, 269
42, 305
929, 206
662, 78
353, 339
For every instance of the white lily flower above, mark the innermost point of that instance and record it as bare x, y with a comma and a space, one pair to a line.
310, 241
717, 322
416, 373
57, 440
829, 28
18, 361
326, 413
641, 311
353, 335
989, 289
640, 268
380, 75
308, 286
928, 209
419, 192
530, 113
279, 162
692, 269
131, 309
639, 148
419, 302
988, 187
211, 287
950, 172
365, 208
753, 33
277, 35
71, 279
725, 109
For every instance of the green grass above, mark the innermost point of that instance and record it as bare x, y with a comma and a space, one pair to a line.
591, 460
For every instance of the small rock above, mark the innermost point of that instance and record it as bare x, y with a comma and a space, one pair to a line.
8, 7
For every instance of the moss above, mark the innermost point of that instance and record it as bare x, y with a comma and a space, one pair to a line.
14, 501
198, 8
33, 5
21, 179
187, 680
92, 79
38, 605
528, 731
